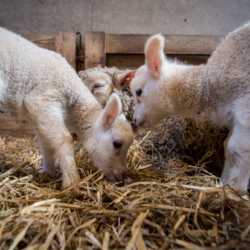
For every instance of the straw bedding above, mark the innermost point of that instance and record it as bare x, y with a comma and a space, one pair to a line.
158, 208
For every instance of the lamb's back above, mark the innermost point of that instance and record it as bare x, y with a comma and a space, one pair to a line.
26, 68
228, 68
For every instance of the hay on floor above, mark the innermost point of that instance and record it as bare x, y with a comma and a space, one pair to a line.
159, 209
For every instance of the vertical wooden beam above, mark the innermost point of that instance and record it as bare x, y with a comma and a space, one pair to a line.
65, 44
95, 49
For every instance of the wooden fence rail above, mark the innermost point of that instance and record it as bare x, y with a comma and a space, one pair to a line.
99, 44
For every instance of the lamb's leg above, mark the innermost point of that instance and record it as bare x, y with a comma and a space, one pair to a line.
65, 153
63, 146
226, 167
48, 159
237, 164
54, 135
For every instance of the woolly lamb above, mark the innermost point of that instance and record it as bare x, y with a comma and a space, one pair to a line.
216, 92
40, 85
174, 136
102, 83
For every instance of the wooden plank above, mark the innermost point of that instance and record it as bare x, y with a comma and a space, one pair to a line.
95, 49
17, 133
14, 125
175, 44
65, 44
134, 61
44, 41
11, 121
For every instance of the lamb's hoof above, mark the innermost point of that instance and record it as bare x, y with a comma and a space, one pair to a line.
67, 182
50, 171
226, 185
43, 177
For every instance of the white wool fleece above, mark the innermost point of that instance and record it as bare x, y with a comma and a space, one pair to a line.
43, 87
218, 92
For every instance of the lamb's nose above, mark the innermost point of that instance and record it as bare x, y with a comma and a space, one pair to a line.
134, 119
119, 175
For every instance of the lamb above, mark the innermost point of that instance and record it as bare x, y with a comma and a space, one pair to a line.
175, 136
100, 86
40, 85
216, 91
102, 82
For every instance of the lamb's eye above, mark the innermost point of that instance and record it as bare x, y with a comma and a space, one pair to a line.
117, 144
99, 85
138, 92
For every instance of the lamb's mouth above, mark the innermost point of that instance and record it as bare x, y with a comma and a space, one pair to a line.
115, 176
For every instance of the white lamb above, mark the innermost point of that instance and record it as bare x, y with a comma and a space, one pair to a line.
40, 85
218, 91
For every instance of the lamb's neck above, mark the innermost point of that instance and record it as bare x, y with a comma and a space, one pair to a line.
83, 115
191, 95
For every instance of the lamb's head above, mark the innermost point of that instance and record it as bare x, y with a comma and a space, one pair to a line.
100, 85
109, 140
146, 85
120, 85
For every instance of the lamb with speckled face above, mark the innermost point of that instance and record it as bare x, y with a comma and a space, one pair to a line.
217, 92
40, 85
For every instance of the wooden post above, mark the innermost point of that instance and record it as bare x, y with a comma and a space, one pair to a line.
65, 44
95, 49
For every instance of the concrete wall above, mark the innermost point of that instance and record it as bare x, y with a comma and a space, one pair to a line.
195, 17
203, 17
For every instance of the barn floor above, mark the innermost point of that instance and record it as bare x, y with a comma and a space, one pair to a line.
160, 209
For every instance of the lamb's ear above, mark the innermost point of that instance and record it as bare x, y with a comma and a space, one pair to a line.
154, 54
111, 111
123, 80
